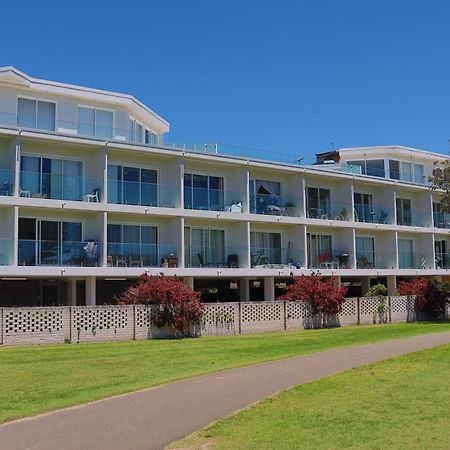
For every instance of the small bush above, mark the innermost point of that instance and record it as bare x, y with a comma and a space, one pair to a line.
179, 306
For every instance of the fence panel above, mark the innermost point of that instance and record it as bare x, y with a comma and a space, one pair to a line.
220, 319
262, 316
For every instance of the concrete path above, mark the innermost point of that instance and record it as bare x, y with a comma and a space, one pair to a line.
152, 418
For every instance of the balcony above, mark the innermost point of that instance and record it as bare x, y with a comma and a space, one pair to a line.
55, 253
6, 252
220, 257
331, 211
407, 260
275, 205
442, 260
338, 259
143, 194
413, 218
141, 255
441, 220
60, 187
373, 214
375, 260
275, 258
212, 199
6, 182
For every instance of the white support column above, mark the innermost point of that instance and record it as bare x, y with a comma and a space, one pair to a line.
91, 291
17, 168
246, 203
104, 253
391, 284
303, 184
15, 255
181, 180
269, 289
105, 174
189, 281
182, 255
244, 290
72, 291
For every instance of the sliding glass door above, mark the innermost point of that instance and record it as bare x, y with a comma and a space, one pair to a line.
204, 247
319, 249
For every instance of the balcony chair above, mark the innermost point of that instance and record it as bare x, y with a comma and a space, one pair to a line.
234, 207
135, 262
317, 213
364, 263
26, 194
201, 260
93, 197
233, 261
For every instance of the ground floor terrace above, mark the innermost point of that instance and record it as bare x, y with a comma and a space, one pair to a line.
92, 290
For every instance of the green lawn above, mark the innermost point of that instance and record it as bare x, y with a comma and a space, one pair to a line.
402, 403
37, 379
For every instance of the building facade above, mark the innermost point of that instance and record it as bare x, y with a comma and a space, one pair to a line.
91, 197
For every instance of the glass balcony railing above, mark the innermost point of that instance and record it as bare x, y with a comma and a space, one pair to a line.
407, 260
141, 255
6, 252
212, 199
276, 257
220, 257
56, 253
331, 211
407, 177
373, 214
60, 187
376, 260
6, 182
441, 220
276, 205
413, 218
143, 194
338, 259
442, 260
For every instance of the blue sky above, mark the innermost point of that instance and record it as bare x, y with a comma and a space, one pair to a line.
290, 76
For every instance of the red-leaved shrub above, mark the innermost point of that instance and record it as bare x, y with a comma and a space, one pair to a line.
179, 305
431, 296
321, 293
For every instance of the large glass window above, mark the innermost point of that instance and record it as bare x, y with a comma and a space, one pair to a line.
36, 114
364, 210
265, 248
405, 254
95, 122
319, 250
263, 195
203, 192
404, 211
372, 167
365, 252
132, 185
394, 169
132, 245
318, 203
51, 178
205, 247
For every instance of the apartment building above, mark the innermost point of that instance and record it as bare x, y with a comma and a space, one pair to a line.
92, 196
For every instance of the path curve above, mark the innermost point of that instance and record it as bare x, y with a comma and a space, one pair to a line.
154, 417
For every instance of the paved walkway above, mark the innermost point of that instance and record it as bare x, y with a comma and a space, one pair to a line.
152, 418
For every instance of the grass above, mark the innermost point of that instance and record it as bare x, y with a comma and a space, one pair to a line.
38, 379
402, 403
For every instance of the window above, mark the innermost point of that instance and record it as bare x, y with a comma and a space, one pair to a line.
365, 252
319, 249
440, 254
404, 212
132, 186
406, 173
132, 245
36, 114
419, 177
51, 178
50, 242
318, 203
440, 219
140, 134
405, 254
265, 248
204, 247
372, 167
264, 194
394, 169
203, 192
364, 210
151, 137
95, 122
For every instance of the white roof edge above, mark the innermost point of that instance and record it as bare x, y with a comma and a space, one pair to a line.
82, 88
393, 147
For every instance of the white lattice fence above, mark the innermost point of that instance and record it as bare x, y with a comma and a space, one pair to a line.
220, 319
297, 314
349, 314
102, 323
368, 307
262, 316
402, 309
144, 317
25, 326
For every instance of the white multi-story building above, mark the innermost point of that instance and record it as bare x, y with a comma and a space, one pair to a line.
91, 197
